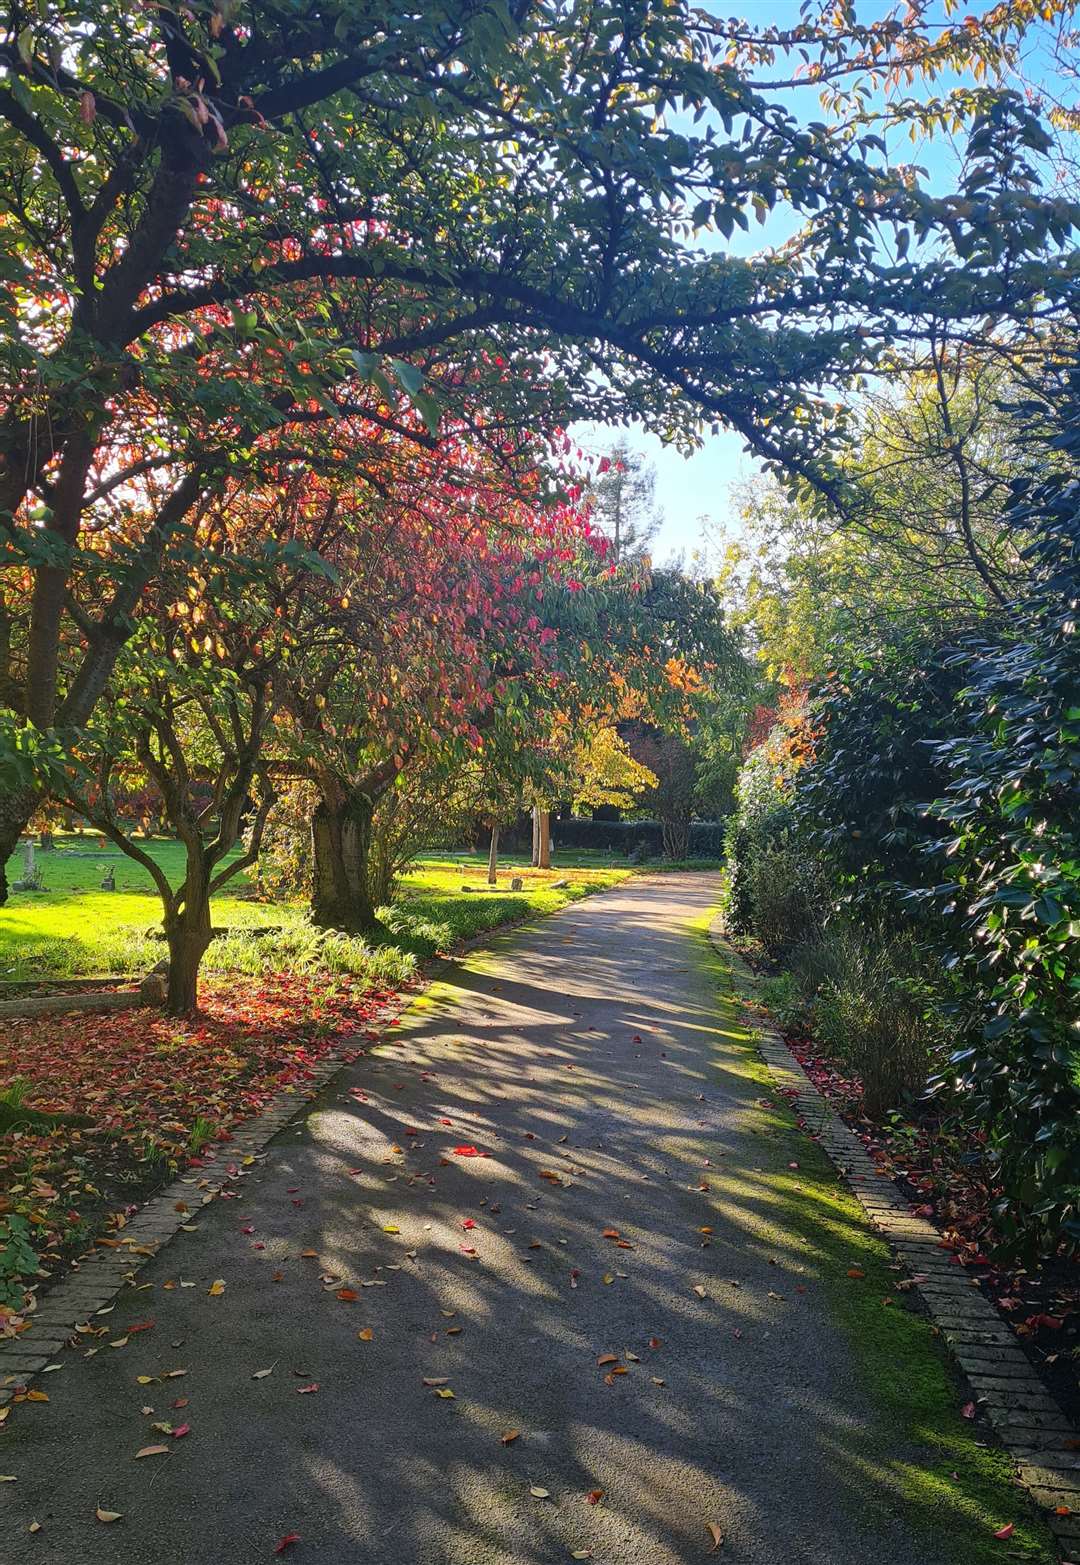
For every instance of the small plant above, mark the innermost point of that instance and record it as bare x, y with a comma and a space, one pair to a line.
201, 1132
18, 1261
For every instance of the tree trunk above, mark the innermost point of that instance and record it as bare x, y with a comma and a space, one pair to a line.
493, 854
341, 844
535, 836
676, 835
543, 858
16, 809
188, 944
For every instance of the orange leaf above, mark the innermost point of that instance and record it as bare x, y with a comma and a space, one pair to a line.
365, 1334
510, 1436
856, 1271
608, 1358
348, 1295
715, 1534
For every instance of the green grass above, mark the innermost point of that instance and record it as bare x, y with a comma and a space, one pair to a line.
74, 929
955, 1489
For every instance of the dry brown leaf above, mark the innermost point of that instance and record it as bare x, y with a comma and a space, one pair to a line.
107, 1516
365, 1334
715, 1534
216, 1288
152, 1450
700, 1291
608, 1358
510, 1436
540, 1494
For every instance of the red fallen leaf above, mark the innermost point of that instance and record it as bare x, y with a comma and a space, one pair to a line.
304, 1391
594, 1496
968, 1410
610, 1233
1051, 1322
468, 1249
347, 1295
468, 1152
469, 1222
142, 1325
636, 1038
284, 1543
178, 1434
654, 1342
1003, 1533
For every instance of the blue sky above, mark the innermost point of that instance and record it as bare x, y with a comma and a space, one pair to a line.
700, 486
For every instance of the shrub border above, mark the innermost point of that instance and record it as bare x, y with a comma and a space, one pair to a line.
1026, 1419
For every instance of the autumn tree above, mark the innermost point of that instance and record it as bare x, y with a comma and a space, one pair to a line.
223, 223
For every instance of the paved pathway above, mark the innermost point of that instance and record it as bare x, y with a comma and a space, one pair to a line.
589, 1059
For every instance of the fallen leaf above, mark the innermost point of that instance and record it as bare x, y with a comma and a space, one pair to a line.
36, 1396
510, 1436
152, 1450
347, 1295
391, 1228
284, 1543
8, 1478
178, 1434
856, 1271
594, 1496
121, 1342
107, 1516
715, 1534
144, 1380
608, 1358
1006, 1532
216, 1288
261, 1374
581, 1554
309, 1255
444, 1391
610, 1233
540, 1494
34, 1527
304, 1391
700, 1291
968, 1410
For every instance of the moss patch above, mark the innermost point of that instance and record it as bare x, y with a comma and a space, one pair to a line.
950, 1487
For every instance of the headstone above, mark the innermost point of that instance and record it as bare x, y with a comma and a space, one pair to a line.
109, 882
517, 883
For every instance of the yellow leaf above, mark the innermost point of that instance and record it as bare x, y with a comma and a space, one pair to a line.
391, 1228
540, 1494
510, 1436
365, 1334
216, 1288
107, 1516
444, 1391
144, 1380
608, 1277
36, 1396
8, 1478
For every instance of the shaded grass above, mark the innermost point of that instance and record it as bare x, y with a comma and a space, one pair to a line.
952, 1486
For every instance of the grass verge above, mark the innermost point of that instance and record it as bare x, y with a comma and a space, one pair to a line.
951, 1484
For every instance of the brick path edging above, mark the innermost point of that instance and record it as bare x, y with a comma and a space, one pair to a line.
1025, 1417
99, 1276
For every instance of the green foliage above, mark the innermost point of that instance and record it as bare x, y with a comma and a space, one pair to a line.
785, 892
18, 1260
871, 1006
762, 819
860, 805
1011, 812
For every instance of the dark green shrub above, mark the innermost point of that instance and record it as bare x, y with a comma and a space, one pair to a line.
1012, 855
786, 896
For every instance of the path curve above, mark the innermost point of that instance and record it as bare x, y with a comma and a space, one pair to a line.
588, 1055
